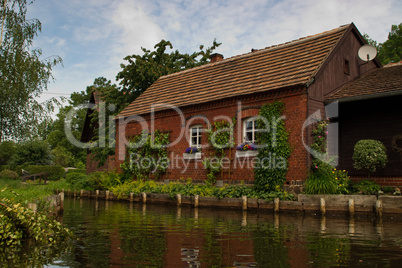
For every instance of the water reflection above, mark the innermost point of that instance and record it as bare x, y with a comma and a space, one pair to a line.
111, 234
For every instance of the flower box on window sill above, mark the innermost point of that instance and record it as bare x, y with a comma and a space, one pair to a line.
247, 153
192, 156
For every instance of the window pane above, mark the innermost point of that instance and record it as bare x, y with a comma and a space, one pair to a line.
194, 141
249, 125
249, 136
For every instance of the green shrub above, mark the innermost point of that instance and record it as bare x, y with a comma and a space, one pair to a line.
54, 172
9, 174
366, 187
80, 181
369, 155
319, 182
104, 180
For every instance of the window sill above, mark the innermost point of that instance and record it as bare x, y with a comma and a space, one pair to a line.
240, 154
192, 156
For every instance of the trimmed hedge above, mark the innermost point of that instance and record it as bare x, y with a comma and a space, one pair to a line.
55, 172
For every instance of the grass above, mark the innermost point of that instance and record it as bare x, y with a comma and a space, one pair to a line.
30, 191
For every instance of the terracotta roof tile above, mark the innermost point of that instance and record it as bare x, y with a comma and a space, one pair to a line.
279, 66
380, 81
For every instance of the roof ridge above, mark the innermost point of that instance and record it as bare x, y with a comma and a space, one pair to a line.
257, 51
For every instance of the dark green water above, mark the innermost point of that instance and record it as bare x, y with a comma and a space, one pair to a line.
114, 234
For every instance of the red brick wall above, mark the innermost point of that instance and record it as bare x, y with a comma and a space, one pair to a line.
169, 121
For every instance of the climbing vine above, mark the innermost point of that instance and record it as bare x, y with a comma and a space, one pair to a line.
271, 165
147, 156
220, 139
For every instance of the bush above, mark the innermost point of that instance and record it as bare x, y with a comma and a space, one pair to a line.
369, 155
32, 153
54, 172
9, 174
320, 182
366, 187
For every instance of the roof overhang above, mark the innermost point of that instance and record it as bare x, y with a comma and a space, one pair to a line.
365, 97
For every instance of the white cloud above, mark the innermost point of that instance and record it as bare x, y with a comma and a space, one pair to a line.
94, 36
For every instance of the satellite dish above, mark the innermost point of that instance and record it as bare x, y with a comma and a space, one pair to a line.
367, 53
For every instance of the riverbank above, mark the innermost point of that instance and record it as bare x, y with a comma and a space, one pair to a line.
377, 206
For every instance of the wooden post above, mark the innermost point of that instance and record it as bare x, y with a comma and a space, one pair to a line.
131, 197
178, 197
144, 197
97, 194
351, 207
276, 205
378, 208
244, 199
107, 194
61, 200
322, 206
196, 200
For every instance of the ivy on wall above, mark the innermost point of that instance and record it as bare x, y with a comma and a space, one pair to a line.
271, 163
220, 139
147, 156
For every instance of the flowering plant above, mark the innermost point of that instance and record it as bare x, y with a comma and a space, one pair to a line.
246, 147
191, 150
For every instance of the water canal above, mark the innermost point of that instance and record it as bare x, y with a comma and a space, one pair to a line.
118, 234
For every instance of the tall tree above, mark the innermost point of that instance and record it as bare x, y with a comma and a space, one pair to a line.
391, 50
65, 153
23, 75
140, 72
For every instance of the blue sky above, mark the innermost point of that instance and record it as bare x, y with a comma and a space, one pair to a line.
93, 36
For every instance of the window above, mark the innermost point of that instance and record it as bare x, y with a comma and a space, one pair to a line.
250, 129
346, 68
195, 136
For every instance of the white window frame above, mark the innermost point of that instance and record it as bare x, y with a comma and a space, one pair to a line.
198, 136
254, 130
190, 141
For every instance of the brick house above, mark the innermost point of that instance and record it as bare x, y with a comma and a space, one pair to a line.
369, 109
301, 73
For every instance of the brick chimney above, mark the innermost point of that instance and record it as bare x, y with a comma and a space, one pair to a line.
216, 57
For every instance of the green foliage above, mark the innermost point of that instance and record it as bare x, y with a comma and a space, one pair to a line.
391, 50
9, 174
54, 172
147, 156
220, 139
79, 181
269, 177
369, 155
190, 189
366, 187
320, 182
323, 178
33, 152
63, 151
24, 76
7, 151
18, 223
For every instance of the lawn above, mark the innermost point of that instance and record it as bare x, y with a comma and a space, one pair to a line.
26, 192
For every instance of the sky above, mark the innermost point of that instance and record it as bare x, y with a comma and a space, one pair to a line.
93, 36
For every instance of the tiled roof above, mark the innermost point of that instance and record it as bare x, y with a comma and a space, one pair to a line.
380, 81
280, 66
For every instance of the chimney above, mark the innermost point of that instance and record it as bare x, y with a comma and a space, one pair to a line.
216, 57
